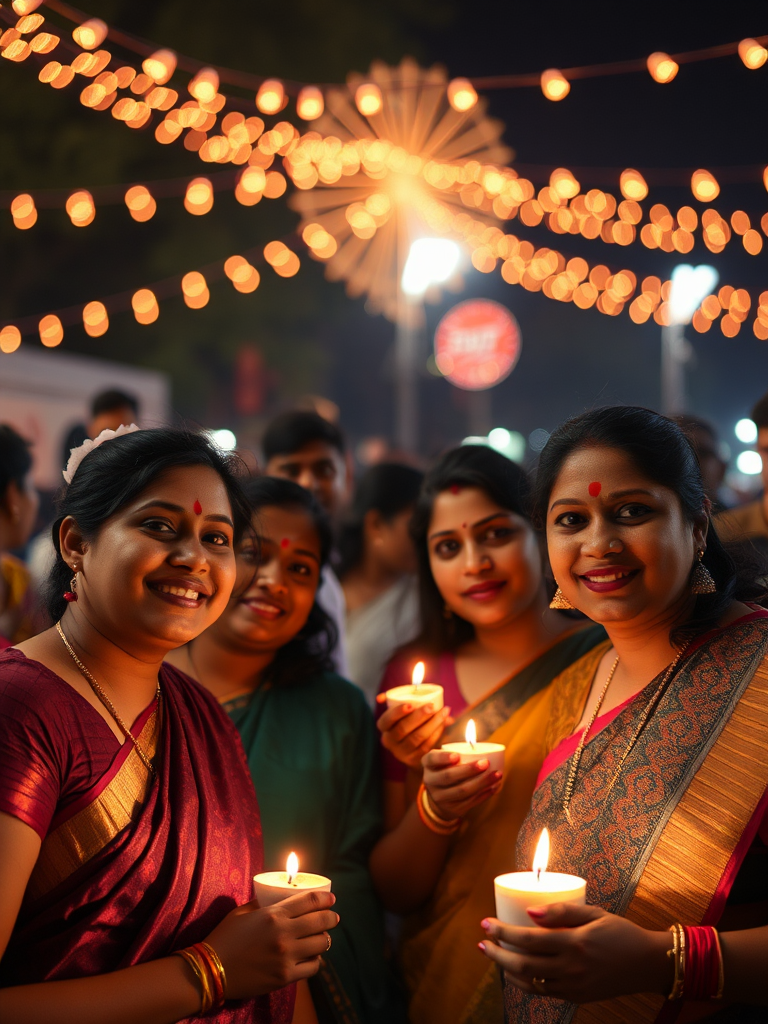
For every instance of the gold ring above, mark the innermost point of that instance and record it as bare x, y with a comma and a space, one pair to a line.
539, 984
329, 942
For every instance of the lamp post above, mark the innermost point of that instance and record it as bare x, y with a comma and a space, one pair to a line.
430, 261
689, 286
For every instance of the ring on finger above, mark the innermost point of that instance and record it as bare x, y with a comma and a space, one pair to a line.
330, 940
540, 984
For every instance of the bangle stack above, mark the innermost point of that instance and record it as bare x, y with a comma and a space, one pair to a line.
431, 819
698, 962
209, 971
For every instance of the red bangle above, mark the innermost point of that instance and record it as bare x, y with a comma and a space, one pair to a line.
704, 967
214, 974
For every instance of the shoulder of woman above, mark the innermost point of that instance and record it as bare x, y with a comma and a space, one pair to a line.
25, 682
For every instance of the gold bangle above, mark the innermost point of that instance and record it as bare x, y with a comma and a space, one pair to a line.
720, 969
218, 965
206, 996
677, 953
432, 820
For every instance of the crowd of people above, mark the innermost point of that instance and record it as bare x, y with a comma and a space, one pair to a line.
194, 685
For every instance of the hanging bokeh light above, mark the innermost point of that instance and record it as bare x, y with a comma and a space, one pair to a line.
145, 307
554, 84
662, 68
51, 331
310, 103
95, 319
90, 34
461, 94
752, 54
704, 186
160, 66
10, 339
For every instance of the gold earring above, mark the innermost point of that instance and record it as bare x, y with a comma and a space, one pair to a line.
560, 602
702, 581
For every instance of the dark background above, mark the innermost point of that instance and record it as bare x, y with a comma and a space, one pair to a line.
311, 336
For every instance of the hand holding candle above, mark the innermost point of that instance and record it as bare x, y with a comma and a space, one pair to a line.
274, 886
519, 890
414, 720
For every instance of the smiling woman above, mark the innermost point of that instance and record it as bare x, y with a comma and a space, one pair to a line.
128, 824
655, 789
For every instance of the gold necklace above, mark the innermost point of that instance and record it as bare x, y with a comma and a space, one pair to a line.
647, 710
97, 689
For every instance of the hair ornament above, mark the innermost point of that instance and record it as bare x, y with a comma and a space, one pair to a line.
76, 455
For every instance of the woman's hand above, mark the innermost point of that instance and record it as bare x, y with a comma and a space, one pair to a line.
409, 734
455, 788
264, 949
581, 954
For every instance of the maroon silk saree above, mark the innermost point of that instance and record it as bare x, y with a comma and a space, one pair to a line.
139, 867
667, 841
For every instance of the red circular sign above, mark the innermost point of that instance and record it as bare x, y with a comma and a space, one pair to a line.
477, 344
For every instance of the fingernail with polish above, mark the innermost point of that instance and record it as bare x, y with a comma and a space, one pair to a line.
536, 913
485, 924
454, 758
497, 775
481, 946
407, 708
482, 764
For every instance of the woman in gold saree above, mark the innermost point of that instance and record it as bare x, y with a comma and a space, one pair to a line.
493, 644
656, 786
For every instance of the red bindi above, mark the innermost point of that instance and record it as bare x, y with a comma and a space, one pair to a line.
594, 489
285, 543
198, 508
455, 489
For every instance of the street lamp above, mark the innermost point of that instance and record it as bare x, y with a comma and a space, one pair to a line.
689, 286
430, 261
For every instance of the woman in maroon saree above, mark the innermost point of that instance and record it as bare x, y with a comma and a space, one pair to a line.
122, 845
656, 787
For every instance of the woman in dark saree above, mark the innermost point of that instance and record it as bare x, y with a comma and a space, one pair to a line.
124, 844
655, 789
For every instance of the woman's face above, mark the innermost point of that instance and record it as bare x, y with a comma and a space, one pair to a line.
484, 559
158, 573
619, 544
284, 572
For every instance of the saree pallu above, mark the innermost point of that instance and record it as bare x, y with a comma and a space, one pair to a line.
665, 842
139, 866
448, 980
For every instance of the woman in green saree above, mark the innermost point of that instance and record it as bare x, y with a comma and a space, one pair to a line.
493, 644
308, 735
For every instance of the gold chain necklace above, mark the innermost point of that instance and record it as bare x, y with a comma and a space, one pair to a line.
647, 710
97, 689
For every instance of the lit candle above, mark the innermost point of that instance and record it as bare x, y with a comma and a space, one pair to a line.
274, 886
418, 693
471, 751
519, 890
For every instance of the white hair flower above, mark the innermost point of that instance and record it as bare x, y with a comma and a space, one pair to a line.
76, 455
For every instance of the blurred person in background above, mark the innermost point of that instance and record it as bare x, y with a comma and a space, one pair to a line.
18, 510
308, 736
706, 443
377, 571
750, 522
109, 410
311, 451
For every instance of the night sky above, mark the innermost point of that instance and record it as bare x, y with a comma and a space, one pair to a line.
713, 115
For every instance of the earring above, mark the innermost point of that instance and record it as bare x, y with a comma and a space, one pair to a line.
560, 602
701, 580
71, 594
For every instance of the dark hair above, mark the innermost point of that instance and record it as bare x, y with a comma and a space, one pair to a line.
118, 471
108, 401
291, 431
468, 466
389, 488
662, 452
759, 412
15, 460
309, 652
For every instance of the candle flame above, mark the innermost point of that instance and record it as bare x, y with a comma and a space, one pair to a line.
292, 867
541, 857
470, 734
418, 673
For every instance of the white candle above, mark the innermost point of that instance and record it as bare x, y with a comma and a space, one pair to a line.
418, 693
471, 751
275, 886
518, 890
